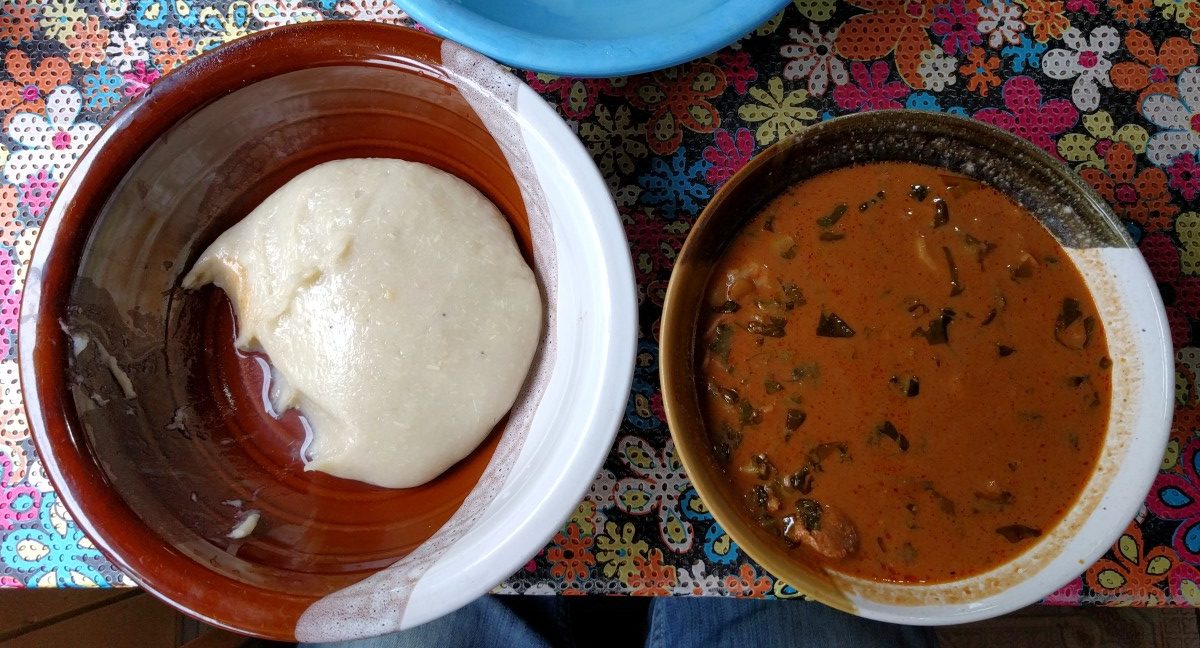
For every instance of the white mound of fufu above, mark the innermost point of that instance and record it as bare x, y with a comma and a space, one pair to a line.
393, 304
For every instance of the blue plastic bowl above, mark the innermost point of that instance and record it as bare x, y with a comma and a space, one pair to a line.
592, 37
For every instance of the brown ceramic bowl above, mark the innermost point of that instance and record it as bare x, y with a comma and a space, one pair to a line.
153, 429
1114, 271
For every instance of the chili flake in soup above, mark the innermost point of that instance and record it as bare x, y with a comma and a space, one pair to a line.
904, 372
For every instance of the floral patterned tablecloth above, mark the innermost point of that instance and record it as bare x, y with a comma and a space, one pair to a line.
1111, 87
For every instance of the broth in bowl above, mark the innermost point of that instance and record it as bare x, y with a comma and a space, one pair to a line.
902, 372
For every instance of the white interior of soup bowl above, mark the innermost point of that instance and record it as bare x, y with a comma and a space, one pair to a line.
1143, 382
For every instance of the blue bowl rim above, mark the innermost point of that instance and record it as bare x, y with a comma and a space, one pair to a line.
587, 57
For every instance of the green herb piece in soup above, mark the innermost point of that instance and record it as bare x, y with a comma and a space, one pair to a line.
1002, 497
769, 222
944, 503
760, 466
747, 415
792, 295
823, 451
809, 513
764, 498
805, 371
938, 331
830, 325
941, 213
831, 219
801, 480
909, 385
1024, 268
725, 442
1015, 533
785, 247
956, 287
981, 249
1071, 328
772, 327
889, 430
916, 308
729, 395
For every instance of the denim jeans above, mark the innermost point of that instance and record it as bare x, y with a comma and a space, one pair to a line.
554, 622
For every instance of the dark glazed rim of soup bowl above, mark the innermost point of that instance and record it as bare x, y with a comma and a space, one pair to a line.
1115, 274
157, 475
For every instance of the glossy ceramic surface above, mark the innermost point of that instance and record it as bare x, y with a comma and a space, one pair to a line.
155, 431
586, 38
1115, 273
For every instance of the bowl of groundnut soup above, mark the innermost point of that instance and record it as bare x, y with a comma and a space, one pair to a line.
915, 367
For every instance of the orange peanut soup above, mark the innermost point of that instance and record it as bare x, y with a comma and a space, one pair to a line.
904, 373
